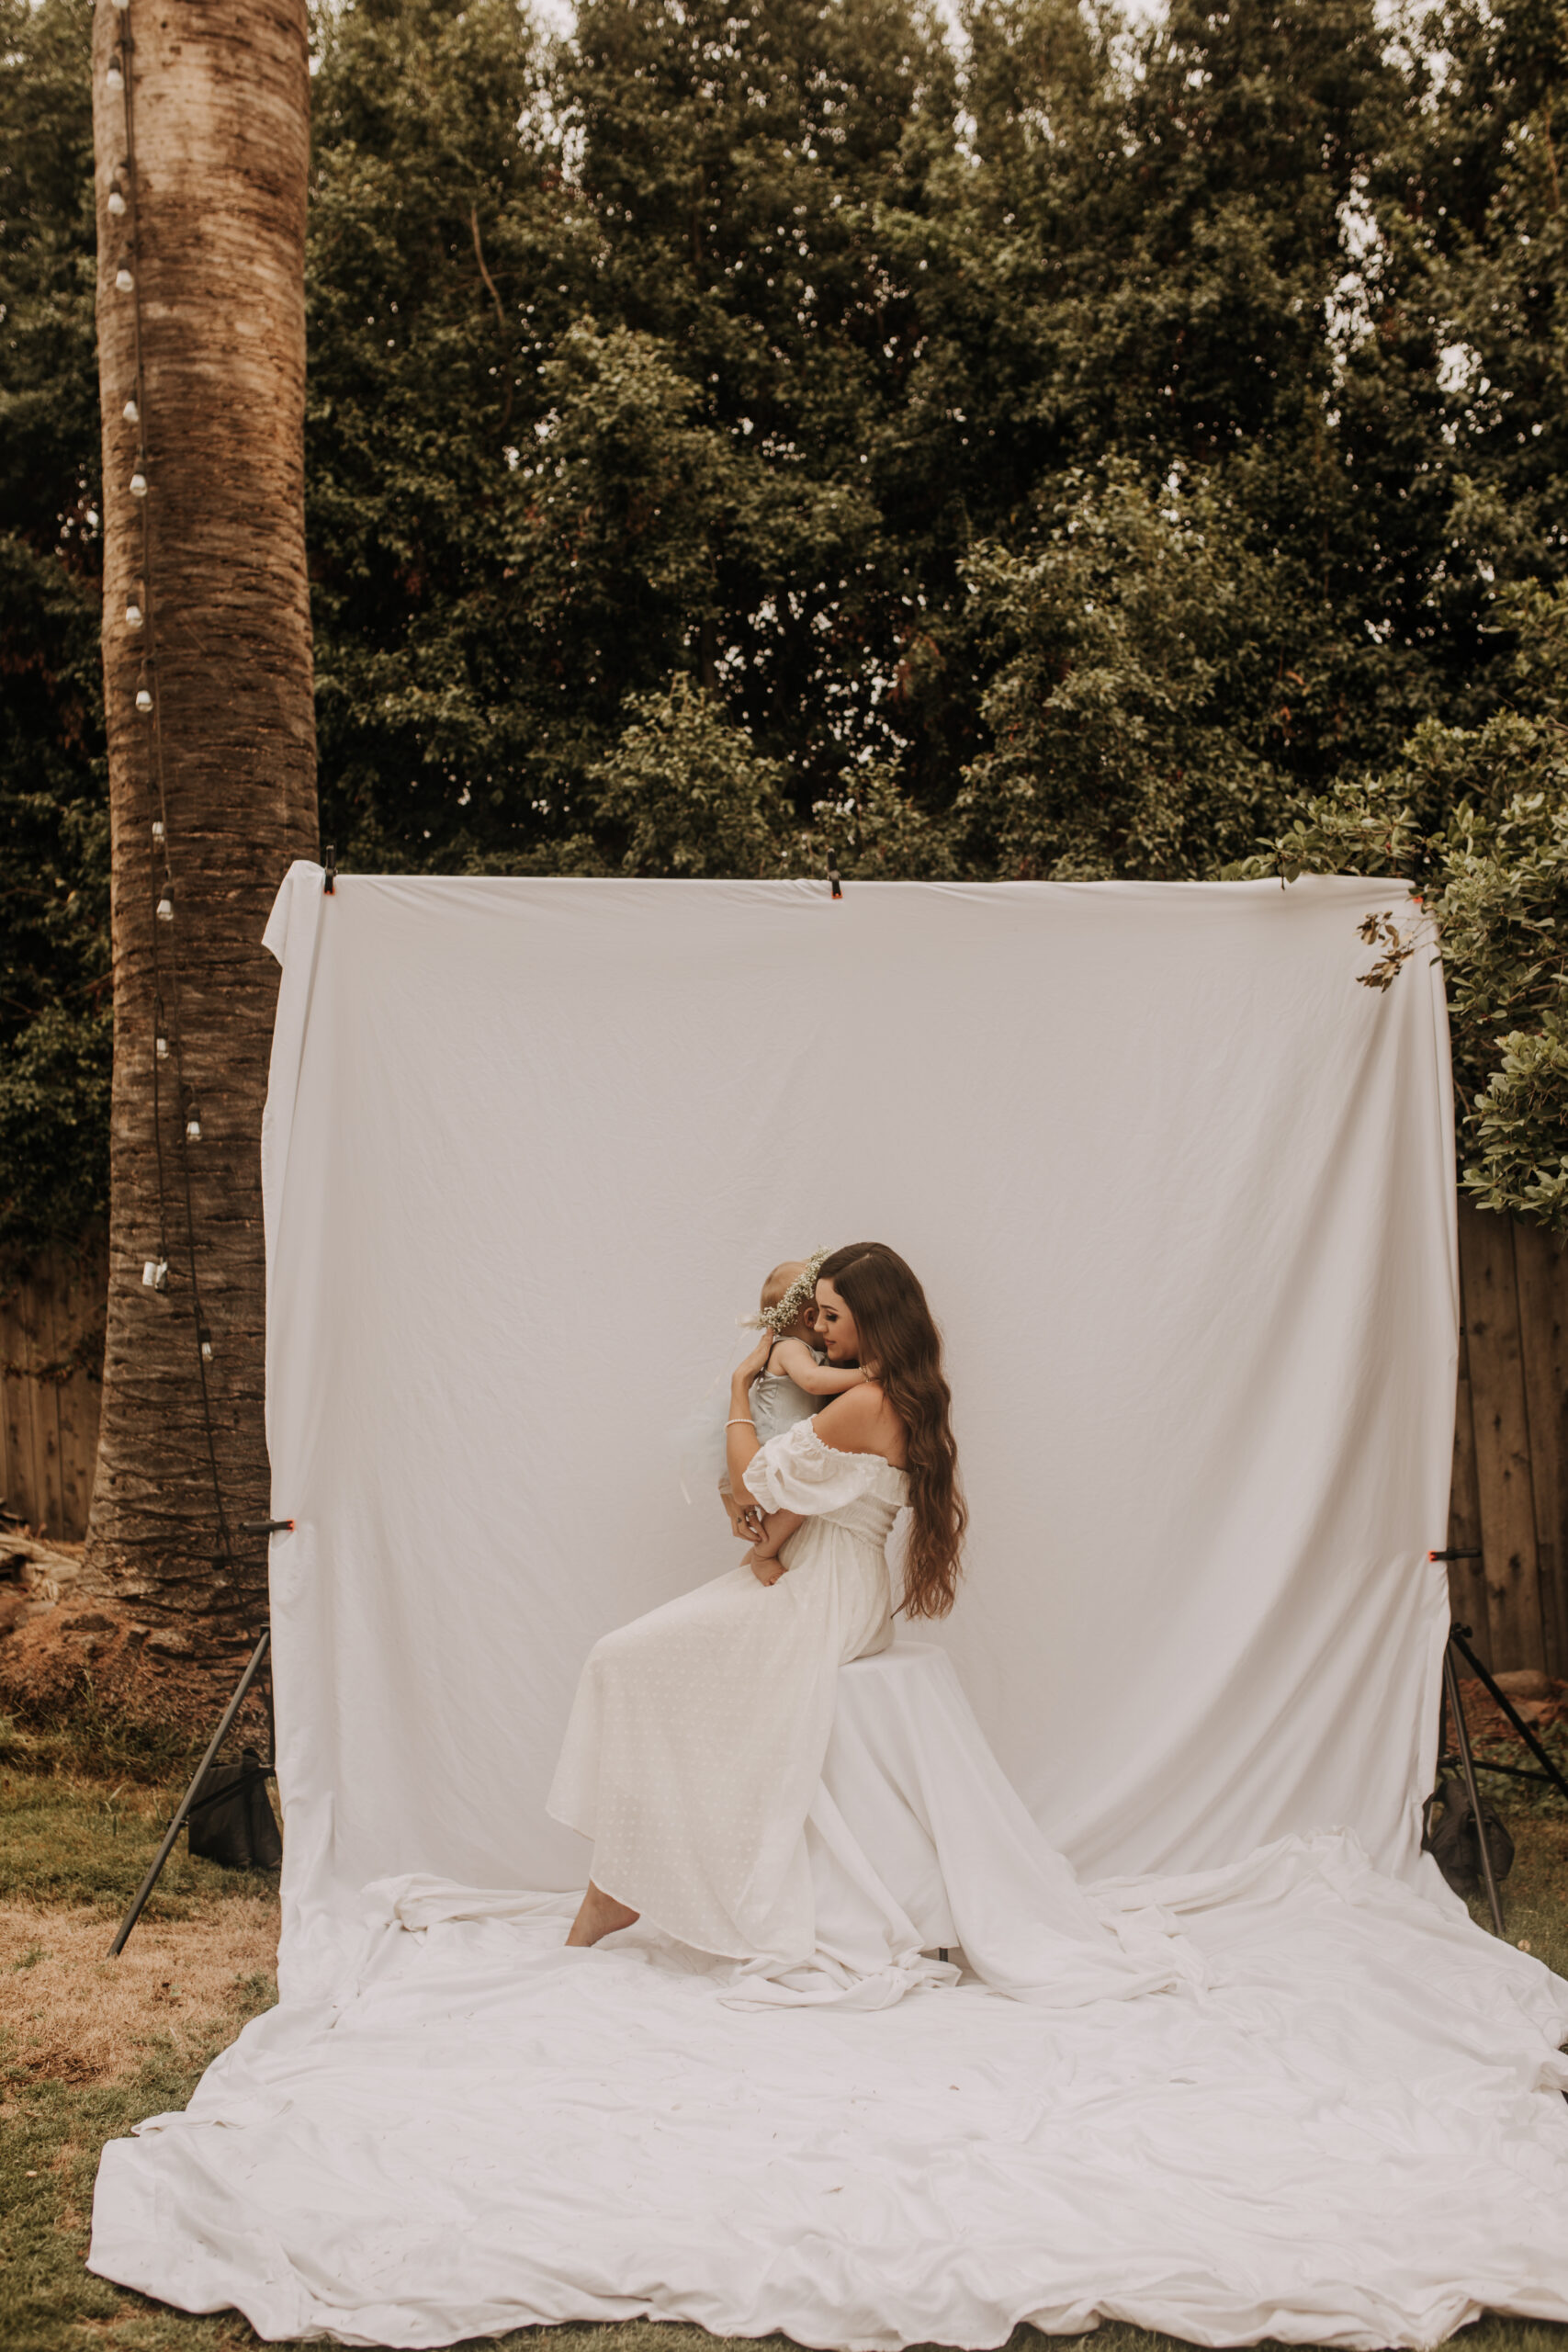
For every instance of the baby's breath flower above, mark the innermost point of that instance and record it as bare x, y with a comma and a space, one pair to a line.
782, 1312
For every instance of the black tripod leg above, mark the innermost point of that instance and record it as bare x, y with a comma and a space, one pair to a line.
166, 1849
1503, 1700
1467, 1766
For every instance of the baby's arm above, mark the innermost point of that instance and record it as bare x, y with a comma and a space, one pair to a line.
778, 1526
793, 1357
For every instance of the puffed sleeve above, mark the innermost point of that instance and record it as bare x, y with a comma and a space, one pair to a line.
795, 1470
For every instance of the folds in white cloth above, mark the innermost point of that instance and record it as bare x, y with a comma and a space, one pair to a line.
1338, 2121
1352, 2136
911, 1778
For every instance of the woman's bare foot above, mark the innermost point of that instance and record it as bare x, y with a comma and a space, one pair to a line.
600, 1914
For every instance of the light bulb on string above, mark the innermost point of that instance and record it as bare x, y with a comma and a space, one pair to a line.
157, 828
138, 484
134, 614
115, 78
192, 1124
117, 203
122, 5
144, 701
132, 414
165, 908
156, 1274
206, 1345
124, 282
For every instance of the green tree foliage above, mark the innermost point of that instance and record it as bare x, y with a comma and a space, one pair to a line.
54, 1015
1133, 653
626, 439
444, 261
688, 791
1476, 818
1088, 449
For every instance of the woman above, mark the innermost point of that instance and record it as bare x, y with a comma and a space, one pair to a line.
697, 1736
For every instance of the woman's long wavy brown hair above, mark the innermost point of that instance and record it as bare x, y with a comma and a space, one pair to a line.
898, 1337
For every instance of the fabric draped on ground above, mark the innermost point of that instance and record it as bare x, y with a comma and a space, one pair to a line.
918, 1841
1353, 2133
1291, 2097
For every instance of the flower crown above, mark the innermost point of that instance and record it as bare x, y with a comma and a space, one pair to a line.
778, 1317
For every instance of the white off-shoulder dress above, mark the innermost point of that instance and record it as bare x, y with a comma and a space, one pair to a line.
697, 1738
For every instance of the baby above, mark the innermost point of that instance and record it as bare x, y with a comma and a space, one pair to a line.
790, 1385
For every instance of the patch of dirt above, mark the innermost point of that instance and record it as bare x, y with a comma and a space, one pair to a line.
99, 1659
75, 2016
1540, 1700
74, 1646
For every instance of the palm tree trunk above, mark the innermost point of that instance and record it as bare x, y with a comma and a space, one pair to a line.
201, 200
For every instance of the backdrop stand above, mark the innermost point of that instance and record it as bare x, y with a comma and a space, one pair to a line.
192, 1801
1467, 1768
187, 1803
1549, 1775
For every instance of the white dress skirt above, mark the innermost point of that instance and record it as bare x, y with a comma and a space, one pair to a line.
697, 1735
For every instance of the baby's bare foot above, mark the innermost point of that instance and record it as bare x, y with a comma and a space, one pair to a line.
600, 1914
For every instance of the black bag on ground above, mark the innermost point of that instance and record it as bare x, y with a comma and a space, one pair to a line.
232, 1821
1453, 1844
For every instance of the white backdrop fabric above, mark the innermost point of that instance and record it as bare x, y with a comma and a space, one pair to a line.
1181, 1195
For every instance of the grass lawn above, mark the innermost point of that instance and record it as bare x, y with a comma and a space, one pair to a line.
88, 2046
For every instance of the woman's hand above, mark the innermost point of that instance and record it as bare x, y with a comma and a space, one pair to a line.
748, 1369
744, 1521
742, 1444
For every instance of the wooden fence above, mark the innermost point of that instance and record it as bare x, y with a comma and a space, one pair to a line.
51, 1357
1510, 1485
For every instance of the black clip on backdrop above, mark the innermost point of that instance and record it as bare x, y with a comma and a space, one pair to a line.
329, 879
192, 1801
834, 882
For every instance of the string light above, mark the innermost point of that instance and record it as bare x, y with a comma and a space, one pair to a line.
165, 908
206, 1348
132, 414
156, 1274
124, 282
134, 614
144, 701
192, 1124
115, 78
117, 202
138, 484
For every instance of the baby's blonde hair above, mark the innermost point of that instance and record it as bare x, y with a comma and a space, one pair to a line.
783, 1277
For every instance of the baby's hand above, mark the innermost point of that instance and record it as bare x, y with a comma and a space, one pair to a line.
764, 1566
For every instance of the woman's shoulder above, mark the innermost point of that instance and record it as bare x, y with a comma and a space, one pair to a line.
862, 1421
